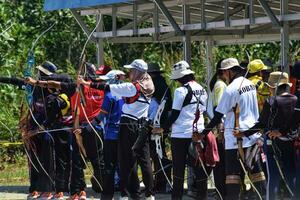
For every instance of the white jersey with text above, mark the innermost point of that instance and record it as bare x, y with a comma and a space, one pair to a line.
135, 110
245, 96
183, 126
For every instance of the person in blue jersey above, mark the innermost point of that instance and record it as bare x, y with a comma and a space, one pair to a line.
109, 118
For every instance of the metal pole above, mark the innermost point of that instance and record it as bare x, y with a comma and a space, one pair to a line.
100, 45
209, 57
187, 35
284, 37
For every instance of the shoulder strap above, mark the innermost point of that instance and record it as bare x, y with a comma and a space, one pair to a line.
189, 95
258, 84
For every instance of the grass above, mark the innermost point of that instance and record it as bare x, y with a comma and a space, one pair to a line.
16, 172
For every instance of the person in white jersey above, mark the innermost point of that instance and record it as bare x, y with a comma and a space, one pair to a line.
241, 92
181, 120
133, 139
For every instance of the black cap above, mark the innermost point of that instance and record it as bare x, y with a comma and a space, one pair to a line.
154, 68
47, 68
296, 70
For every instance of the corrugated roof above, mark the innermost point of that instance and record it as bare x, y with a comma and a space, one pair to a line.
50, 5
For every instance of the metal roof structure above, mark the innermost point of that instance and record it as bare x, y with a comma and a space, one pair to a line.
218, 22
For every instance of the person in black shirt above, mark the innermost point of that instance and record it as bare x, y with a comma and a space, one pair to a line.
277, 117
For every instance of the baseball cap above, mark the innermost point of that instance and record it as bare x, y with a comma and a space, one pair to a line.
138, 64
181, 69
102, 70
47, 68
112, 74
229, 63
256, 66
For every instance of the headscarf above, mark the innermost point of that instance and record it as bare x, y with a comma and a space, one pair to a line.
145, 81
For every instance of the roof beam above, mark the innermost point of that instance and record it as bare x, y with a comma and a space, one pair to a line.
168, 15
269, 12
236, 23
140, 20
82, 24
220, 40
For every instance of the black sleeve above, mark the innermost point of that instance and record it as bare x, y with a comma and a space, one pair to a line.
13, 81
171, 119
213, 122
262, 121
100, 86
58, 77
68, 88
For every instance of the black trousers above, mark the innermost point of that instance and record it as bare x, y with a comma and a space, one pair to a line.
180, 148
62, 159
234, 169
160, 181
219, 170
42, 156
110, 166
77, 182
94, 151
129, 158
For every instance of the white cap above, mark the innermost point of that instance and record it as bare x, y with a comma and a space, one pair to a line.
138, 64
181, 69
229, 63
111, 74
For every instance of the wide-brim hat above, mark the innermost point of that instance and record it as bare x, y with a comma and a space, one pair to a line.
277, 79
229, 63
180, 70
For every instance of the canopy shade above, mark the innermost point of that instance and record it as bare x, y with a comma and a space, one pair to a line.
50, 5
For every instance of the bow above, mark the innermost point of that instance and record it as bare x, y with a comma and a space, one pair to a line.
199, 145
80, 98
275, 157
240, 151
157, 138
29, 96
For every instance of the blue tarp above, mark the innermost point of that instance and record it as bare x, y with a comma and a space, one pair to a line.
50, 5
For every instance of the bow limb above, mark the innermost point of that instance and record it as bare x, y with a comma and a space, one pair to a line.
157, 138
81, 98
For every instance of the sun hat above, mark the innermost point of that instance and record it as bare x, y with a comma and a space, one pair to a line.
181, 69
47, 68
229, 63
278, 79
138, 64
256, 66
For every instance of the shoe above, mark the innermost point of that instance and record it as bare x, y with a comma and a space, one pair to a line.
46, 196
59, 196
150, 198
124, 198
33, 195
74, 197
191, 194
82, 195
